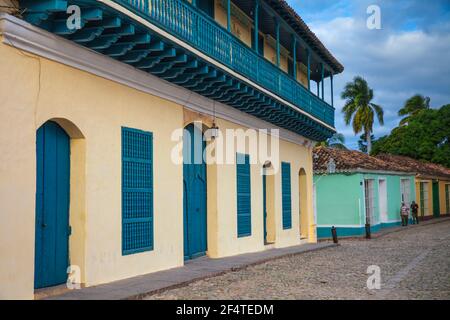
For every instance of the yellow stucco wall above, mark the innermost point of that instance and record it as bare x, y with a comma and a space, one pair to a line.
302, 75
93, 110
429, 184
17, 171
270, 54
238, 28
222, 202
442, 198
9, 6
44, 90
417, 193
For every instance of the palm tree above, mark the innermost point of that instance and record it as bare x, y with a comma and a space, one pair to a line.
362, 143
359, 110
412, 107
336, 141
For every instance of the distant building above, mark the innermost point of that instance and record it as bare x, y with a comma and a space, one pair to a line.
353, 189
432, 185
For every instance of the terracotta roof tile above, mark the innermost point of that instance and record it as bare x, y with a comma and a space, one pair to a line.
422, 168
350, 160
299, 25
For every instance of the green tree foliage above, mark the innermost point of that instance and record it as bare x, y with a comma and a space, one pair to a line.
359, 110
412, 107
426, 137
336, 141
362, 142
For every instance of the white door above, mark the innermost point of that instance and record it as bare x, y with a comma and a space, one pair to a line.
369, 202
382, 193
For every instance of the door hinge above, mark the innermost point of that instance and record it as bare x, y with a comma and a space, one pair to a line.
69, 231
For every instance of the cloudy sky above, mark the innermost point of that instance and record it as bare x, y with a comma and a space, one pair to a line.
410, 53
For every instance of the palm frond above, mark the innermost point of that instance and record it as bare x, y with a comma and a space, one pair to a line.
358, 108
379, 111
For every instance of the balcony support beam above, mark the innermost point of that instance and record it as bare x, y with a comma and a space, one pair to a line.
256, 26
294, 57
229, 15
277, 31
309, 69
322, 80
332, 90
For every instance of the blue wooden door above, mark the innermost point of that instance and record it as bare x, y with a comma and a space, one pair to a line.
265, 207
52, 206
194, 202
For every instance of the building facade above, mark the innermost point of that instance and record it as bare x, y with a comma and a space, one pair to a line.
432, 186
101, 99
353, 189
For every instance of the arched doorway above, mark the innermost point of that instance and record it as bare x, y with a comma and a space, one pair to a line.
194, 192
52, 205
303, 198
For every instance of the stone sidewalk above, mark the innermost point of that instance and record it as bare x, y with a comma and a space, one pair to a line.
202, 268
385, 231
414, 265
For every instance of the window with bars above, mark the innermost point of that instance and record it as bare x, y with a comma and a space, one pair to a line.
137, 191
286, 195
405, 189
424, 198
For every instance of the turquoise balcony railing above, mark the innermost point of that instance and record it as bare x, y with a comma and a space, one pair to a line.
189, 24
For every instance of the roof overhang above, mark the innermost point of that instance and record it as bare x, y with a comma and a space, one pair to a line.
365, 171
126, 35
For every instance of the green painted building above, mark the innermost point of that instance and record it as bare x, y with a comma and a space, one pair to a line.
353, 189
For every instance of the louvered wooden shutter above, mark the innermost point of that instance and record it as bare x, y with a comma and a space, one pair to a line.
286, 194
137, 191
244, 222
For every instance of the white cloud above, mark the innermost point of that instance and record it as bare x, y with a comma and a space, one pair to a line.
396, 64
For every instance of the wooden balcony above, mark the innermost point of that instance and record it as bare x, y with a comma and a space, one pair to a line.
179, 43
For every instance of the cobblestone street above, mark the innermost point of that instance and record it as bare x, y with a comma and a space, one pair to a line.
415, 264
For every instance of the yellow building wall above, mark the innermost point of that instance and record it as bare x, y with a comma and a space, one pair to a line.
239, 29
17, 172
429, 184
270, 53
45, 90
302, 75
9, 6
92, 110
222, 201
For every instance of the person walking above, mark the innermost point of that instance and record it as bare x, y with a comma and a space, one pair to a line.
415, 212
404, 213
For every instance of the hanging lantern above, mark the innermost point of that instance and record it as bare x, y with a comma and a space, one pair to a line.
214, 131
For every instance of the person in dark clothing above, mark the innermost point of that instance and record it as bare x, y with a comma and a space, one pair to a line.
415, 212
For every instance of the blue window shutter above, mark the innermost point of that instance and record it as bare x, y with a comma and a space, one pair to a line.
244, 220
286, 194
137, 191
